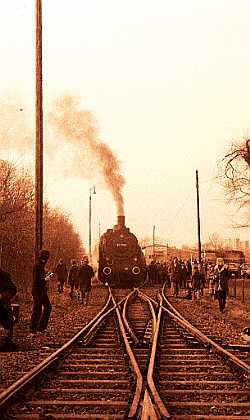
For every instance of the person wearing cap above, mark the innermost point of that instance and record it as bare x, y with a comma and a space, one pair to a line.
85, 275
41, 303
221, 282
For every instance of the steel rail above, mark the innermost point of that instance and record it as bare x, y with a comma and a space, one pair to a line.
161, 409
135, 368
93, 329
149, 297
11, 392
148, 409
152, 310
124, 317
204, 339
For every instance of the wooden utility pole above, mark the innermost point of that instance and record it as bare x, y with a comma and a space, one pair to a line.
39, 134
198, 217
154, 242
90, 250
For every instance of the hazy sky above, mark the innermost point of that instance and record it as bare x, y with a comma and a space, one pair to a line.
168, 84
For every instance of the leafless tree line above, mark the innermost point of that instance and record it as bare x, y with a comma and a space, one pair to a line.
17, 228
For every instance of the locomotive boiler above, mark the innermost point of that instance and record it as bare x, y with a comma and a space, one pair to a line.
121, 260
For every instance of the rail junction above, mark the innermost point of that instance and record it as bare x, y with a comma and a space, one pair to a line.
138, 358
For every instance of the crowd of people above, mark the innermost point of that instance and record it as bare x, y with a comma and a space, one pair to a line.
178, 275
192, 277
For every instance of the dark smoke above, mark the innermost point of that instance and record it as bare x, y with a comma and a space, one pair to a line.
79, 128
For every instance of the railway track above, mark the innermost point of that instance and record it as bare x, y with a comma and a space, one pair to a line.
137, 359
195, 382
239, 350
93, 381
91, 376
139, 319
242, 351
195, 377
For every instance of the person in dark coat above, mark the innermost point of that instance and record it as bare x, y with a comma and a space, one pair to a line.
7, 292
184, 275
197, 281
41, 303
221, 283
85, 275
175, 276
152, 273
73, 278
62, 274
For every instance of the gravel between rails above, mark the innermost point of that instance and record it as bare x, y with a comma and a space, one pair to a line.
67, 317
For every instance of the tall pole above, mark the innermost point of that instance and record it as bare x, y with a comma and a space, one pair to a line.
90, 251
39, 134
90, 256
154, 242
1, 252
198, 217
99, 230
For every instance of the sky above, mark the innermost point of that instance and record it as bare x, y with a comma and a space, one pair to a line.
164, 86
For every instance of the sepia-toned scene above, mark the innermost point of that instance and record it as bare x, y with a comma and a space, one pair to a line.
125, 210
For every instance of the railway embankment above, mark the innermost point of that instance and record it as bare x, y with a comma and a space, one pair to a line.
228, 325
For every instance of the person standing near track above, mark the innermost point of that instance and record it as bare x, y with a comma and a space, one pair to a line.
73, 278
85, 275
41, 303
62, 273
221, 282
7, 291
196, 282
175, 276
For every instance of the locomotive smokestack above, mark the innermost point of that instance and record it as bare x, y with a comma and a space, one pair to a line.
121, 221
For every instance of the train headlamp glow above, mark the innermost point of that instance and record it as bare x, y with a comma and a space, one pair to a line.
136, 270
106, 271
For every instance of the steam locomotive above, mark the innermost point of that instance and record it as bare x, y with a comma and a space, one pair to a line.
121, 260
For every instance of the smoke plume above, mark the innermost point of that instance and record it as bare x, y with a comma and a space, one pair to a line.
79, 129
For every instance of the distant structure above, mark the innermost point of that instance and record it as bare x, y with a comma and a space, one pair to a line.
236, 244
160, 252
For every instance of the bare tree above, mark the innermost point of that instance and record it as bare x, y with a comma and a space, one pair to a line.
234, 174
17, 228
214, 242
60, 237
16, 190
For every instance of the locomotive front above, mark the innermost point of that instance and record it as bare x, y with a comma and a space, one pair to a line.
121, 261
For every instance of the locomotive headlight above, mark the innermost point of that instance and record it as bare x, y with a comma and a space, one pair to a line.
106, 271
136, 270
135, 259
